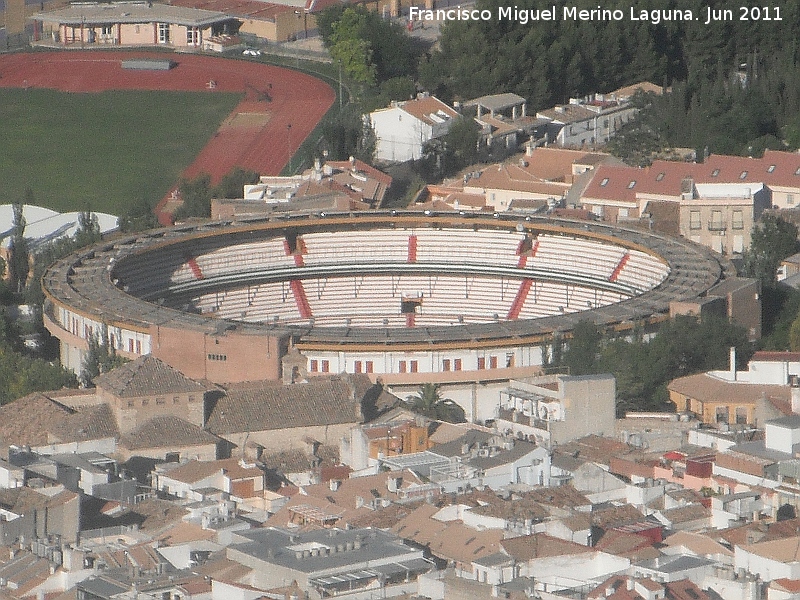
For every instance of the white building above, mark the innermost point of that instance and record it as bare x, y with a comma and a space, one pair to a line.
403, 129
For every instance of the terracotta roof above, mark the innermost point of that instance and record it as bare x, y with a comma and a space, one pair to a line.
263, 406
166, 432
626, 92
146, 376
514, 178
706, 388
24, 499
628, 545
786, 550
698, 544
464, 544
37, 420
299, 461
196, 470
787, 585
685, 514
615, 516
422, 108
540, 545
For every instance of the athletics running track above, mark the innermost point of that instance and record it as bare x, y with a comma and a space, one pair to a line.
279, 110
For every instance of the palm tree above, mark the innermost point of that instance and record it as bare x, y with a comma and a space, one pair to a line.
428, 402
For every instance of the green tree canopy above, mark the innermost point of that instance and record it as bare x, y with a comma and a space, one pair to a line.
772, 240
428, 402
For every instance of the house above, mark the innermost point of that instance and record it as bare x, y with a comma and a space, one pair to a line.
773, 559
92, 24
232, 476
403, 129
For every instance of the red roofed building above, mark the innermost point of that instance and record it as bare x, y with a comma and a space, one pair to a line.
403, 129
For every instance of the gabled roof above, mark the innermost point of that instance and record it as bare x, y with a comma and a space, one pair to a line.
196, 470
423, 108
707, 388
167, 432
147, 376
264, 406
540, 545
37, 420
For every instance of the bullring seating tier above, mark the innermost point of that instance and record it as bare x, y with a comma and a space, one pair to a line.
139, 281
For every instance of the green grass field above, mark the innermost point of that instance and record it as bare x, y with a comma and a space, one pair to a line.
102, 150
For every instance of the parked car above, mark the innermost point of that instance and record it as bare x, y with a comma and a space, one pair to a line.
251, 52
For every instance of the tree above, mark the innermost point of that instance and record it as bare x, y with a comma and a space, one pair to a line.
772, 240
196, 196
19, 260
232, 184
138, 217
583, 349
88, 231
428, 402
101, 358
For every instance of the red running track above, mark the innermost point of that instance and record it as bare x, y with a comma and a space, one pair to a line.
262, 138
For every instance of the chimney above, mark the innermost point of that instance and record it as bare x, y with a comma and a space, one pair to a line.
796, 400
629, 583
733, 363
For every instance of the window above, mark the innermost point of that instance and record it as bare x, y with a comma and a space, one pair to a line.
146, 401
326, 366
605, 123
414, 366
716, 221
357, 366
722, 414
631, 184
457, 364
402, 366
106, 30
789, 198
492, 362
112, 341
715, 172
218, 357
694, 219
138, 347
738, 219
741, 415
161, 401
481, 363
660, 176
176, 400
369, 366
446, 364
163, 33
314, 366
130, 345
192, 36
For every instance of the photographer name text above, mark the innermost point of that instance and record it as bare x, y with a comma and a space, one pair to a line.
599, 14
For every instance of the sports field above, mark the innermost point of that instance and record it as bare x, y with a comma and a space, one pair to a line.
104, 149
207, 114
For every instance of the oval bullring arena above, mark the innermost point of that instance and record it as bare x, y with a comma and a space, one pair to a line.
399, 294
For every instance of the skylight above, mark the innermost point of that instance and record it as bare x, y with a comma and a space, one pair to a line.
743, 175
660, 176
631, 184
715, 172
605, 181
771, 169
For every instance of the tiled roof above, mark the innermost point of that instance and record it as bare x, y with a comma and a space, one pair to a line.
299, 461
707, 388
36, 420
22, 500
766, 355
539, 545
684, 514
195, 470
264, 406
146, 376
568, 113
786, 550
166, 431
422, 108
